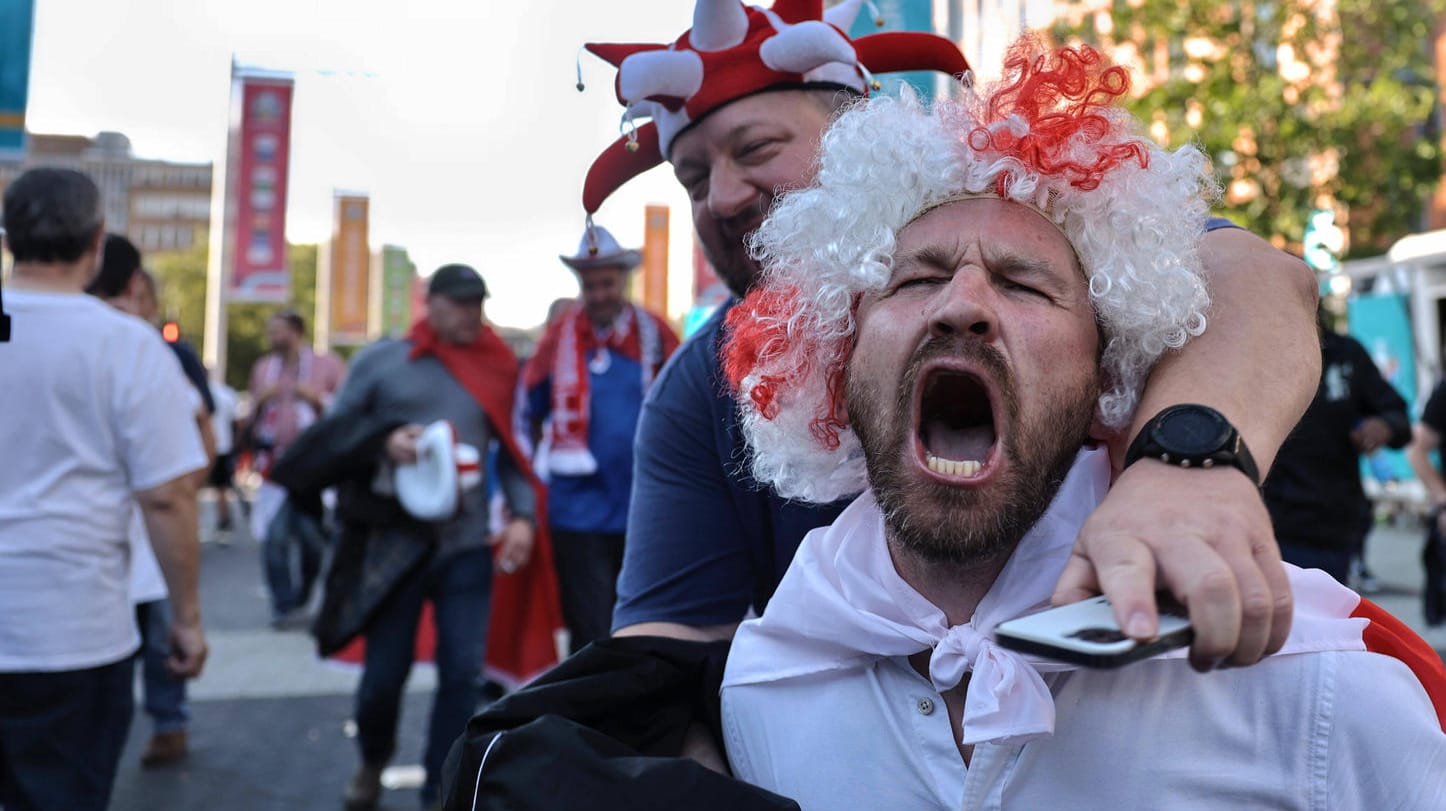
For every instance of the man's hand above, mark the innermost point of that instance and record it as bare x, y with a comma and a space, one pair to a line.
188, 649
514, 545
1370, 433
402, 444
1207, 537
311, 395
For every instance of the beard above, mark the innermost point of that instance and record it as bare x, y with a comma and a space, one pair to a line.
955, 525
726, 248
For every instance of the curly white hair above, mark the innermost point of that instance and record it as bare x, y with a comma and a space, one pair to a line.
1134, 212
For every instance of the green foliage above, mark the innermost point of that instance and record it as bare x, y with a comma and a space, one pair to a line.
1356, 125
182, 279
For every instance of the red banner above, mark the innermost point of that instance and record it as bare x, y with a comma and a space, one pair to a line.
260, 270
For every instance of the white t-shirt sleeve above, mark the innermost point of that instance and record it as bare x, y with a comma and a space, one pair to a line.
155, 414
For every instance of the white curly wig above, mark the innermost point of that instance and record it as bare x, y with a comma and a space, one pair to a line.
1050, 134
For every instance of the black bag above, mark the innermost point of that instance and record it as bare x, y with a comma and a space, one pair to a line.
603, 730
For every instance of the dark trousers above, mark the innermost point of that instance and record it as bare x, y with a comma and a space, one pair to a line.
165, 693
1433, 557
1334, 562
459, 588
587, 566
291, 590
61, 736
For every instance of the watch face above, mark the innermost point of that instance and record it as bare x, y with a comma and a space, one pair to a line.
1192, 432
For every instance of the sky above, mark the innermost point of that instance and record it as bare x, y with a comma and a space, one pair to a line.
460, 118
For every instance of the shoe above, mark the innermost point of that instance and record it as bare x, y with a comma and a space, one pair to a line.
297, 619
364, 790
1368, 582
164, 749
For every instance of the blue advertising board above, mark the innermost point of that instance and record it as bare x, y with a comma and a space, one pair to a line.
900, 15
1382, 323
17, 23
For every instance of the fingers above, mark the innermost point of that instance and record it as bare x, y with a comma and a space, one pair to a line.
1124, 571
1282, 602
1077, 582
188, 652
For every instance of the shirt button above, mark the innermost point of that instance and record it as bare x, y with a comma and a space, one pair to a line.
926, 706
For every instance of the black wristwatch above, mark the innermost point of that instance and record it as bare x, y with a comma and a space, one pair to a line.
1193, 436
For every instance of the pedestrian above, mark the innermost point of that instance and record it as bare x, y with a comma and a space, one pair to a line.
1426, 442
707, 543
986, 350
222, 479
124, 284
453, 367
291, 386
584, 387
1314, 490
92, 427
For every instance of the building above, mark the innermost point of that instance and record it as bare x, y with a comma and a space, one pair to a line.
159, 205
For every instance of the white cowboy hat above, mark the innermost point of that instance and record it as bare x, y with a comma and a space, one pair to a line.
431, 488
599, 249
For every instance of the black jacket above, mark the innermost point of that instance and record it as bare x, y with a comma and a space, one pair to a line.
603, 730
342, 451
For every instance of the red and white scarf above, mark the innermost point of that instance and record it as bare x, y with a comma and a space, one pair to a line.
570, 350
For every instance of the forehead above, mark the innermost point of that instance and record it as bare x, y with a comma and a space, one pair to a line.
790, 110
605, 274
998, 226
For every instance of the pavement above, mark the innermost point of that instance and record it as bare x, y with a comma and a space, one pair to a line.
270, 722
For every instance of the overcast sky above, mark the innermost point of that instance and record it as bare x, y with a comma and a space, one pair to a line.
460, 118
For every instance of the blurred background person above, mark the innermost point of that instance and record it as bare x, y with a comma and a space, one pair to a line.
90, 430
125, 285
291, 386
1317, 505
584, 388
222, 479
1426, 444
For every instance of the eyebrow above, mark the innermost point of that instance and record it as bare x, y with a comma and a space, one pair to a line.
931, 256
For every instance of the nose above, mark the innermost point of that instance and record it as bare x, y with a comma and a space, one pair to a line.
964, 306
729, 192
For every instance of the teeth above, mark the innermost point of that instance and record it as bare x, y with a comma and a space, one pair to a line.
952, 467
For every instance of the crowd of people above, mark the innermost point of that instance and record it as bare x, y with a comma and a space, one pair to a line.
982, 355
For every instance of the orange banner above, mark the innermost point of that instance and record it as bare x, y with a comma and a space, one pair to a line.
655, 259
351, 261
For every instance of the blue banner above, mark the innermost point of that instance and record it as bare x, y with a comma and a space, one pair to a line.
17, 23
1382, 323
899, 15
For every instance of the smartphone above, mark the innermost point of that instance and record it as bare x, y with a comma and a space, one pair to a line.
1086, 634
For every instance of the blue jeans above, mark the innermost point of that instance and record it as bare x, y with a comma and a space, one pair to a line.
165, 694
61, 736
1333, 562
459, 588
282, 535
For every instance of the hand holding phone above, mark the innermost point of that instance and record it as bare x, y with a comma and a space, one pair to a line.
1086, 634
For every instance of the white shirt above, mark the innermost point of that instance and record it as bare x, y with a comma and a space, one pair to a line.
821, 704
223, 419
148, 583
88, 417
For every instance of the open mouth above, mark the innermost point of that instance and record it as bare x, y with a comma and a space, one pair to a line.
956, 423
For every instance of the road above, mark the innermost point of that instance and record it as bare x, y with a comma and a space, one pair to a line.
268, 719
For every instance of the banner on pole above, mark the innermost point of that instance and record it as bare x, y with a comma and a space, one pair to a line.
350, 271
17, 26
260, 270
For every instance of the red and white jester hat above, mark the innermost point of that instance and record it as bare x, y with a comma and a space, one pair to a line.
734, 51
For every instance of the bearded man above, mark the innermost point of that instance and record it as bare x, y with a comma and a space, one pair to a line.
956, 326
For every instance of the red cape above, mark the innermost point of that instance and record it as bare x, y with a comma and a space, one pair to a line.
526, 613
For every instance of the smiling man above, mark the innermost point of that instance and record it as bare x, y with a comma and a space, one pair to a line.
955, 319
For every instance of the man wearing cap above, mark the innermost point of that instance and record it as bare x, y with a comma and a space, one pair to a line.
587, 380
453, 367
738, 105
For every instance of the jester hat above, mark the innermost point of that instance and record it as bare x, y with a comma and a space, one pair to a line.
733, 51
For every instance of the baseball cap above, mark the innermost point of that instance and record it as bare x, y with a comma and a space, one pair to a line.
457, 282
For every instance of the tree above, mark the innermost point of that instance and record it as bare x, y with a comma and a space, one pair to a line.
181, 276
1295, 115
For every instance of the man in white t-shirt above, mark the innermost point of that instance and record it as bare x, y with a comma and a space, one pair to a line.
87, 420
